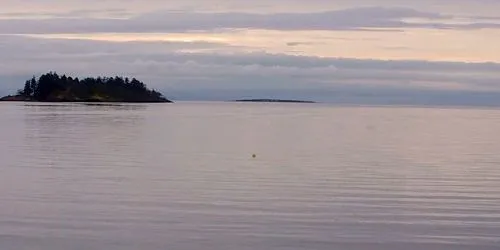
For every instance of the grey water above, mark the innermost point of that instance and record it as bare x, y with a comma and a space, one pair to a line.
183, 177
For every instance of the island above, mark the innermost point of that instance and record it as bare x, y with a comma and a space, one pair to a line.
273, 100
52, 87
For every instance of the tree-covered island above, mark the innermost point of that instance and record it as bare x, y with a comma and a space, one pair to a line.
52, 87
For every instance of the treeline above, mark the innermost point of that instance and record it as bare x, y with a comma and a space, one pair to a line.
53, 87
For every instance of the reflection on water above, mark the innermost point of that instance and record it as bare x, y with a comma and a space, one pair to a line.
81, 106
183, 176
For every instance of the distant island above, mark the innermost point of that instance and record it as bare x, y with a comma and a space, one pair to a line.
273, 100
52, 87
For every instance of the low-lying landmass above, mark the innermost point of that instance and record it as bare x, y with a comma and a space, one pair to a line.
52, 87
274, 100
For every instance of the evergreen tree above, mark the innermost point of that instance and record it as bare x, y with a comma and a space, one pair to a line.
27, 92
33, 86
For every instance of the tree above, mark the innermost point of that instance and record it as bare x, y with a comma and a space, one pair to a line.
27, 89
136, 84
33, 85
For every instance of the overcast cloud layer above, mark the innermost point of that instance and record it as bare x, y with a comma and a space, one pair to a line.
361, 52
165, 21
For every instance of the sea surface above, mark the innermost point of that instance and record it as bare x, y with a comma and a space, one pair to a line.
184, 177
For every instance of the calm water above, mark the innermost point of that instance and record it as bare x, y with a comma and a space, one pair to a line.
182, 177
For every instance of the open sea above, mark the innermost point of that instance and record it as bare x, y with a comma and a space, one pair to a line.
184, 177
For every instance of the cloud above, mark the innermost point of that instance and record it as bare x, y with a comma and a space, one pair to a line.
294, 44
80, 13
430, 29
215, 74
256, 6
365, 18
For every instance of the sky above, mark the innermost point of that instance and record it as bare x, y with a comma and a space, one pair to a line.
345, 51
